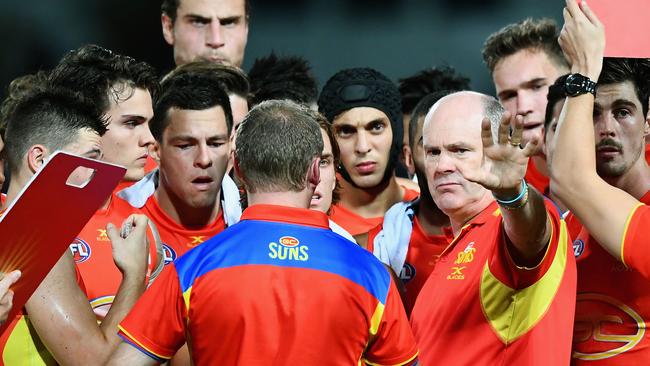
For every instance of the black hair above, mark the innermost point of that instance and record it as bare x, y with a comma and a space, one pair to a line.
415, 87
289, 77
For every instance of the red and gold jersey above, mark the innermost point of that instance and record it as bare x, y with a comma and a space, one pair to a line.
93, 255
613, 305
479, 308
277, 288
176, 238
356, 224
421, 258
536, 179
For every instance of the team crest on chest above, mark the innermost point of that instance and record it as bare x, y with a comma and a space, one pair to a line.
80, 250
288, 248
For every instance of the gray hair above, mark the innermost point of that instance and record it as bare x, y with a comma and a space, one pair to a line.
276, 144
494, 111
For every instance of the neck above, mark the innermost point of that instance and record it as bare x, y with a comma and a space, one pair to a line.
540, 163
184, 214
458, 218
431, 219
289, 199
371, 202
18, 181
635, 181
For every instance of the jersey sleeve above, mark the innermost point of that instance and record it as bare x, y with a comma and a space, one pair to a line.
635, 245
393, 342
506, 270
156, 324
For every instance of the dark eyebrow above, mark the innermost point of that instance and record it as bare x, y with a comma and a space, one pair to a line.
129, 117
325, 156
624, 103
198, 17
534, 81
218, 137
230, 19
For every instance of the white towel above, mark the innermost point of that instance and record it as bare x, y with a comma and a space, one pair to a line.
392, 242
138, 194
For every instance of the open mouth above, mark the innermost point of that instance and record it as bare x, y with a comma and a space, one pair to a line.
202, 183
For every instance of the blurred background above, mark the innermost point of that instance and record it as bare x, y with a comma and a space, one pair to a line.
396, 37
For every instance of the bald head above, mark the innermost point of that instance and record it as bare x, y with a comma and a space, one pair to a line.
467, 109
452, 142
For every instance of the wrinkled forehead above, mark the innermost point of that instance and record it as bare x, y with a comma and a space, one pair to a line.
455, 118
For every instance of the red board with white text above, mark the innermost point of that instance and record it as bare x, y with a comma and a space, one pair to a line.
44, 219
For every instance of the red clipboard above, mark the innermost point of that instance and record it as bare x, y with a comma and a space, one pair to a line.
44, 219
626, 26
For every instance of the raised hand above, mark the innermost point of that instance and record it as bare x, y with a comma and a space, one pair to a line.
130, 247
582, 39
505, 161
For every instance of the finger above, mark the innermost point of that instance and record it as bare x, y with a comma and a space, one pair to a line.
504, 128
486, 133
140, 223
589, 13
531, 146
572, 7
517, 130
8, 280
7, 299
112, 233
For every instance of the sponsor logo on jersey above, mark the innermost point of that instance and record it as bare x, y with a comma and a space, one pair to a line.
457, 273
80, 250
578, 247
288, 248
467, 255
102, 235
607, 328
196, 240
169, 255
407, 273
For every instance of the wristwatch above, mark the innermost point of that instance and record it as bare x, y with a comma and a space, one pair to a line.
577, 84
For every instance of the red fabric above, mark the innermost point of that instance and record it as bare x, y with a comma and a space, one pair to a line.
236, 305
536, 179
177, 238
93, 255
449, 319
613, 300
356, 224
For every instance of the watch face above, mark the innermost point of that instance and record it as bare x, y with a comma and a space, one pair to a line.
574, 84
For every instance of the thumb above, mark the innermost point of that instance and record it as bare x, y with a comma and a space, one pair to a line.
8, 280
112, 233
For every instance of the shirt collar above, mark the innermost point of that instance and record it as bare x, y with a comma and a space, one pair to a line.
290, 215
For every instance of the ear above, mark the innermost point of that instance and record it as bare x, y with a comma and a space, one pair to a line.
646, 128
36, 156
313, 175
235, 165
154, 151
167, 28
408, 159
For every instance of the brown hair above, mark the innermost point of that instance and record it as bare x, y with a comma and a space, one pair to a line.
528, 34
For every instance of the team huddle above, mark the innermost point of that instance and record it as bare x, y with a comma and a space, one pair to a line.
364, 223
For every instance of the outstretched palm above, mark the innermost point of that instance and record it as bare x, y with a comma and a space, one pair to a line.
506, 161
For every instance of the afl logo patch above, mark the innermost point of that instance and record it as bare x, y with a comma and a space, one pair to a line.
80, 250
578, 247
169, 255
407, 273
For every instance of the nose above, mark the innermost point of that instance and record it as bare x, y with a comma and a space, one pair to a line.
202, 159
605, 125
362, 145
146, 138
214, 36
445, 164
524, 103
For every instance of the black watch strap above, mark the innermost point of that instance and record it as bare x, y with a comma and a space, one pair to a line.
577, 84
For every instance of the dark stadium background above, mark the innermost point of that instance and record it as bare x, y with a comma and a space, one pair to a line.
396, 37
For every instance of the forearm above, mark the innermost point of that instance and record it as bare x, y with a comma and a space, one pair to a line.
129, 292
574, 140
528, 229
